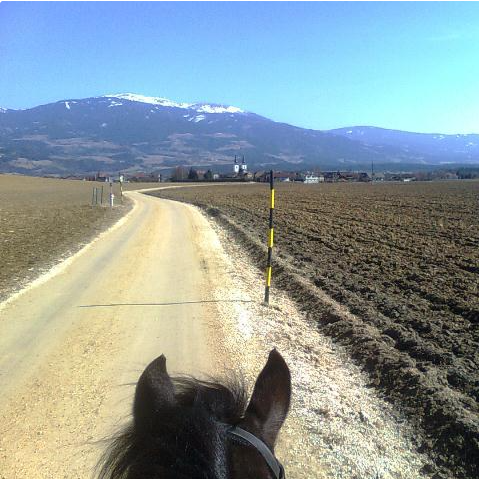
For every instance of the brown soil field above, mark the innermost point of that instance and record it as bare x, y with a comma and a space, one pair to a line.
44, 220
404, 260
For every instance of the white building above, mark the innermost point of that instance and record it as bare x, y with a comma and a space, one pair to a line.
240, 169
312, 179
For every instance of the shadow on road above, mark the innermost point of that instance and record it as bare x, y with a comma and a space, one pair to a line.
165, 304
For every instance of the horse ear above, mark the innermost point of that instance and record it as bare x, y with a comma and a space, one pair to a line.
154, 391
269, 403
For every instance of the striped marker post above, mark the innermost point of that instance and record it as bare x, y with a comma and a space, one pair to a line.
270, 239
120, 180
121, 189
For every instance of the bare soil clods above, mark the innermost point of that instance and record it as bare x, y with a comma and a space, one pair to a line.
404, 260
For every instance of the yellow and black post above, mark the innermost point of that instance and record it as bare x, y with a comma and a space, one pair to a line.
270, 239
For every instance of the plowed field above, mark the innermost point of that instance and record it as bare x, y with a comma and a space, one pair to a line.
404, 259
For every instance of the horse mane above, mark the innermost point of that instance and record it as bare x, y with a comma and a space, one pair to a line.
183, 440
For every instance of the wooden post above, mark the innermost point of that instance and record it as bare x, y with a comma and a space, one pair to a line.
93, 197
101, 196
270, 239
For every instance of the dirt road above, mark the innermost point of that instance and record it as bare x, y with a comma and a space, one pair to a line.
73, 346
70, 344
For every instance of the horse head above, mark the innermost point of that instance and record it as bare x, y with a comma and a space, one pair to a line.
188, 428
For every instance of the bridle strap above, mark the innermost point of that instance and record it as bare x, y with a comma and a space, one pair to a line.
262, 448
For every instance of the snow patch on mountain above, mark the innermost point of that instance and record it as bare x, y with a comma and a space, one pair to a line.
67, 105
198, 107
149, 99
3, 110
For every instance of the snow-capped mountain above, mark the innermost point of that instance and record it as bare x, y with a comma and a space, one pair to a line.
131, 132
198, 107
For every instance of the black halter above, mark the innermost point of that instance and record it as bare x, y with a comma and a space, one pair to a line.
261, 447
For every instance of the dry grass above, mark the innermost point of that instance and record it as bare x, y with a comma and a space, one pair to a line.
43, 220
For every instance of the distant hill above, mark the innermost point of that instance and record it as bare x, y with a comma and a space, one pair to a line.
131, 132
444, 148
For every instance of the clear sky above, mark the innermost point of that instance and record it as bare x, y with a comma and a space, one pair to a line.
410, 66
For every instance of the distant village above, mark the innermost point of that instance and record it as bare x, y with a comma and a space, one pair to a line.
240, 173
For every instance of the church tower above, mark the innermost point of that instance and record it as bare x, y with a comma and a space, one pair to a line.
236, 166
244, 166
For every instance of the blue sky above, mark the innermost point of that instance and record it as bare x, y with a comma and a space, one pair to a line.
410, 66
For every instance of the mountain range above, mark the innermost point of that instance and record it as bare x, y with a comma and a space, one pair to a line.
129, 132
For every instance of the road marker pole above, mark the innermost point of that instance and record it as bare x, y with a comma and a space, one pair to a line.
111, 195
121, 187
270, 239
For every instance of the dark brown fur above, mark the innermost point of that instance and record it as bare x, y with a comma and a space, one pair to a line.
179, 427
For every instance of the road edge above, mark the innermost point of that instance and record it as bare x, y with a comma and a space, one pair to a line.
60, 267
